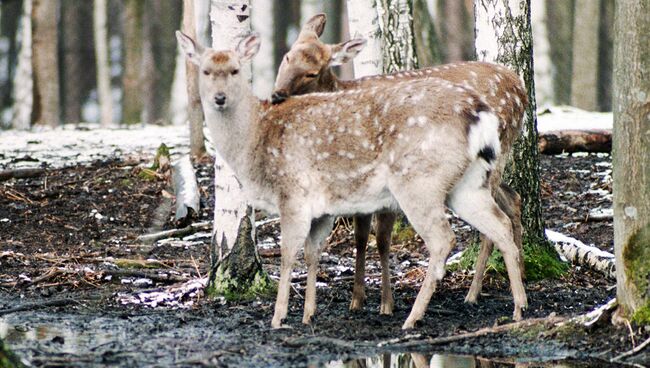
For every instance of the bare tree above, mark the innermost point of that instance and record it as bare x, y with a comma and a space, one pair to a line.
194, 110
363, 20
103, 69
427, 43
504, 36
46, 109
10, 14
23, 83
560, 15
584, 81
396, 23
263, 64
131, 78
631, 158
543, 66
236, 268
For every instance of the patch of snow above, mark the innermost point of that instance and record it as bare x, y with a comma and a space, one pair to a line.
572, 118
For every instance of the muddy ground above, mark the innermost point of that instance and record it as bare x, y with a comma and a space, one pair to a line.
69, 256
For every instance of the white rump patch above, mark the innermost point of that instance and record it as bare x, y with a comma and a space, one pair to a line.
485, 133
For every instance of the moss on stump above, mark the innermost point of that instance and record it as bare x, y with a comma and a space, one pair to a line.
7, 358
239, 276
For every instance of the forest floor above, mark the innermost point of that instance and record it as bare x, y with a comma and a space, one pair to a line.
78, 289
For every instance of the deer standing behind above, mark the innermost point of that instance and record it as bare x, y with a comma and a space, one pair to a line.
307, 68
299, 159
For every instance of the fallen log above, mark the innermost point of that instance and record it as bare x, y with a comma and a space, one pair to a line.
559, 141
581, 254
21, 173
175, 233
185, 187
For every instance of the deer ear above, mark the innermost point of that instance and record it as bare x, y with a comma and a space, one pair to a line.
192, 50
248, 47
315, 24
344, 52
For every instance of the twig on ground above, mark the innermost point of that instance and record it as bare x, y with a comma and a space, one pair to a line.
634, 351
551, 320
598, 314
153, 276
44, 304
150, 238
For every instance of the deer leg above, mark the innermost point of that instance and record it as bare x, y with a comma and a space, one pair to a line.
361, 231
385, 222
294, 229
479, 269
320, 228
476, 205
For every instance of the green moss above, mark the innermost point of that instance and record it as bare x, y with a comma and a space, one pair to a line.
540, 261
137, 263
231, 289
642, 315
160, 163
636, 260
7, 358
402, 231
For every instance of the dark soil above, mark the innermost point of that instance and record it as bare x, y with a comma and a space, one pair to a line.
65, 237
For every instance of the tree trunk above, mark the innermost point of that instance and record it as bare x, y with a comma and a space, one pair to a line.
427, 43
363, 20
23, 83
286, 19
541, 46
194, 109
605, 55
584, 81
131, 77
503, 35
10, 12
103, 69
560, 15
631, 158
236, 270
453, 25
263, 67
396, 23
45, 63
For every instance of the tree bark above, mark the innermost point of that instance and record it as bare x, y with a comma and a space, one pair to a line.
263, 67
396, 23
605, 55
23, 82
427, 43
286, 19
631, 158
131, 77
103, 68
45, 63
194, 109
236, 270
503, 35
584, 81
10, 13
453, 25
560, 15
363, 20
542, 50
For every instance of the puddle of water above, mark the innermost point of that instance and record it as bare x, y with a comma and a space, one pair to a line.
419, 360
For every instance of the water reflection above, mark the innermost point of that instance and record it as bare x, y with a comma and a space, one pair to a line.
418, 360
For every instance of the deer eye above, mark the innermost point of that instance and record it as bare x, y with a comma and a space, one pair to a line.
206, 72
235, 72
311, 75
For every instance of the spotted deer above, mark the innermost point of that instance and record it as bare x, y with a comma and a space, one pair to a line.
299, 159
307, 67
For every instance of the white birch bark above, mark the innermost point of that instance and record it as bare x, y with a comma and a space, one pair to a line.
202, 16
395, 22
582, 254
542, 54
309, 8
23, 83
103, 68
263, 67
230, 23
363, 20
178, 103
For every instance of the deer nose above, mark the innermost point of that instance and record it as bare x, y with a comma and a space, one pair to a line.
220, 99
278, 97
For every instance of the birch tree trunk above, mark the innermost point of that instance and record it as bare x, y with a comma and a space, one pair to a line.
396, 23
131, 79
560, 15
427, 43
194, 109
236, 268
103, 69
23, 83
263, 66
631, 158
503, 35
542, 54
10, 14
584, 81
363, 20
45, 63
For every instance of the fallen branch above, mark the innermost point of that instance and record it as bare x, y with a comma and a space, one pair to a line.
185, 187
44, 304
21, 173
558, 141
596, 315
581, 254
153, 276
550, 320
175, 233
637, 349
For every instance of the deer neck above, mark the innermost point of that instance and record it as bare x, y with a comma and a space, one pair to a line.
231, 131
329, 82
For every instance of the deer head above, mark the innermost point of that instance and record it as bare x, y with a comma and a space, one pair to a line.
306, 67
221, 85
